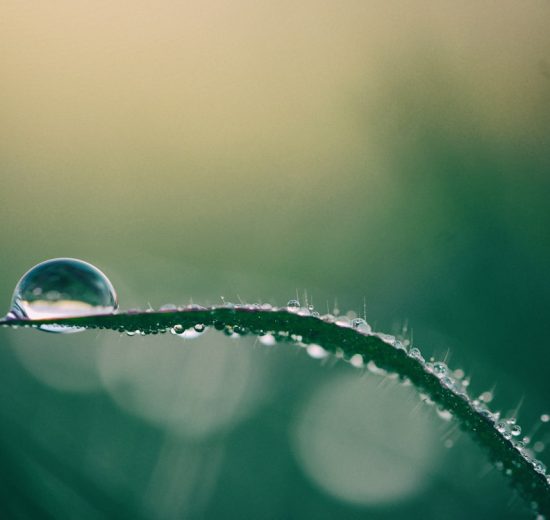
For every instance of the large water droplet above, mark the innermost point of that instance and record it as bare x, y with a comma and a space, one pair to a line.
62, 288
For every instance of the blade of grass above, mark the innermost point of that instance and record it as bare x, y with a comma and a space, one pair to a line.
526, 475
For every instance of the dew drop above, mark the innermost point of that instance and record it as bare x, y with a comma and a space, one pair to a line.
519, 445
373, 368
62, 288
440, 369
177, 329
189, 334
538, 466
293, 305
415, 353
501, 427
343, 321
545, 417
425, 398
316, 351
448, 382
356, 360
268, 340
387, 338
444, 414
361, 325
515, 430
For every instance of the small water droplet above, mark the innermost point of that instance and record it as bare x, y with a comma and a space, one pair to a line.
356, 360
448, 382
425, 398
199, 327
374, 369
386, 338
519, 445
545, 417
189, 334
538, 466
501, 427
515, 430
415, 353
343, 321
268, 340
62, 288
440, 369
293, 305
316, 351
361, 325
177, 329
444, 414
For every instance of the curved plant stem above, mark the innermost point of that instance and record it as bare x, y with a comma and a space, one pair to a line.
347, 342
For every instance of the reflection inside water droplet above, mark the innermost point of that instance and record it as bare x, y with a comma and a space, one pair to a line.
62, 288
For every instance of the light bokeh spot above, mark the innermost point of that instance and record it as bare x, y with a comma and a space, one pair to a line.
363, 444
58, 361
193, 388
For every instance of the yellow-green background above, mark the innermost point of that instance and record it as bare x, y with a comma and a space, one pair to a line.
396, 153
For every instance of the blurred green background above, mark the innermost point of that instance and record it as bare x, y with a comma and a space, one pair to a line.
392, 152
